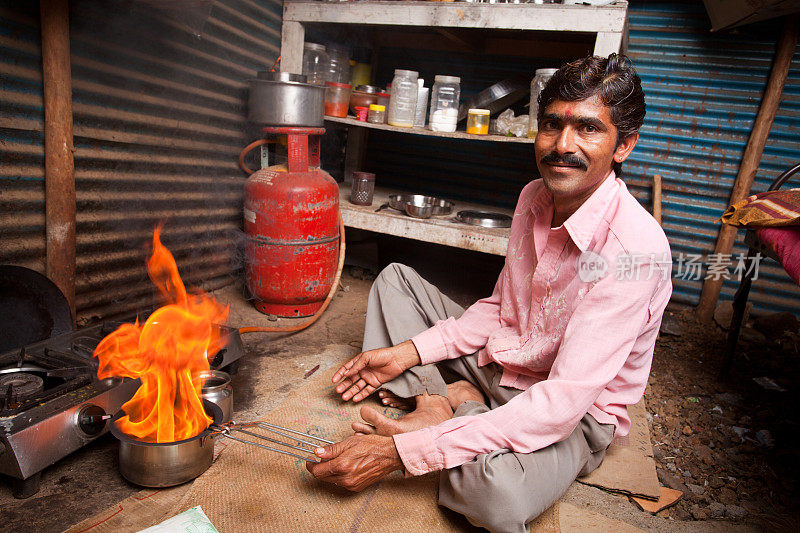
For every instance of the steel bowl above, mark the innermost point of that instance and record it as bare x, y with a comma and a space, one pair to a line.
497, 97
440, 207
165, 464
281, 99
421, 210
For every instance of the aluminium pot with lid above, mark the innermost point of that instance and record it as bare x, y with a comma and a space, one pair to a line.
285, 99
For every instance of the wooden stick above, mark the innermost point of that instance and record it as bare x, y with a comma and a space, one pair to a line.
58, 158
657, 198
752, 156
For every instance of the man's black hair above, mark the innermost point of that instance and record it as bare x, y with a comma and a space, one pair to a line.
613, 78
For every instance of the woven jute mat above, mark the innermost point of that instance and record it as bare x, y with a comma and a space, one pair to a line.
251, 489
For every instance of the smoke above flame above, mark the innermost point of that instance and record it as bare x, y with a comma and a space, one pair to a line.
166, 353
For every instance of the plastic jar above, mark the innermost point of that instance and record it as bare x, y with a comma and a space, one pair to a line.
383, 99
363, 188
337, 99
403, 100
362, 113
377, 114
339, 69
316, 63
478, 121
444, 103
538, 83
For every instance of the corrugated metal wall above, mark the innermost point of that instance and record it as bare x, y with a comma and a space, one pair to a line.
703, 92
159, 102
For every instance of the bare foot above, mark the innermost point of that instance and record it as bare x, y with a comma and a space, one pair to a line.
463, 391
431, 410
392, 400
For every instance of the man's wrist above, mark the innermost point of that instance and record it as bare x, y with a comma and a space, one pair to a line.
407, 355
391, 454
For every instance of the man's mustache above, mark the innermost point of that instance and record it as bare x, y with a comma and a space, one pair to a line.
553, 158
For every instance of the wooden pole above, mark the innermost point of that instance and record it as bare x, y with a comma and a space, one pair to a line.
752, 156
657, 198
58, 148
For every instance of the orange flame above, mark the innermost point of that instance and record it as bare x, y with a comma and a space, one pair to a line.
166, 353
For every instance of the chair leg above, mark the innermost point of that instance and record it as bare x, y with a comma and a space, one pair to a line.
739, 306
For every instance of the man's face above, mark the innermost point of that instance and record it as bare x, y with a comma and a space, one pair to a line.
577, 145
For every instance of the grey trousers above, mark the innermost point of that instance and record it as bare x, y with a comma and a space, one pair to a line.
501, 491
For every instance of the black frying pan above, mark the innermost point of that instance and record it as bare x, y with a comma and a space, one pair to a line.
32, 308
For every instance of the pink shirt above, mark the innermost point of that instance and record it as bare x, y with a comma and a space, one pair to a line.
575, 337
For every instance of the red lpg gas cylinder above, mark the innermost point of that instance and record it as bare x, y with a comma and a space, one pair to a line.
291, 219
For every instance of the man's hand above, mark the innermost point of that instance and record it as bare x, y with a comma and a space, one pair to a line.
367, 371
356, 462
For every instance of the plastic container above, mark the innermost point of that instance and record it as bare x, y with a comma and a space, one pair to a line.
403, 100
538, 83
363, 188
444, 103
361, 73
339, 66
422, 104
316, 63
377, 114
478, 121
383, 99
362, 113
337, 99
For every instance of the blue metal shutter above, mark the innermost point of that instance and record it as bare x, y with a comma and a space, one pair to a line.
703, 91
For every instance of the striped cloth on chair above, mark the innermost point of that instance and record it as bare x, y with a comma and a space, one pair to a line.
765, 209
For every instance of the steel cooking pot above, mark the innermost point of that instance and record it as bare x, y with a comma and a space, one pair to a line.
285, 99
217, 390
164, 464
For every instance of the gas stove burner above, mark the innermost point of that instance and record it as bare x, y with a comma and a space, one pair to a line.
21, 385
84, 346
52, 403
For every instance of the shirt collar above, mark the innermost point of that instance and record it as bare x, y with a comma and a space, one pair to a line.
582, 224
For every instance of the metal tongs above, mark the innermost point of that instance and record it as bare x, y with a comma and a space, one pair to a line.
227, 430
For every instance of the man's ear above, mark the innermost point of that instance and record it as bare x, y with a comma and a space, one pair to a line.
625, 147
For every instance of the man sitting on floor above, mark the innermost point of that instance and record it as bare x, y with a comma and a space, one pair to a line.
521, 393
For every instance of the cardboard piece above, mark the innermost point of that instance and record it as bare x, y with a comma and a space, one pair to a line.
731, 13
668, 498
575, 519
629, 467
144, 509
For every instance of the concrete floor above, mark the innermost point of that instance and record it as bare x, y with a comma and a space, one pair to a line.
88, 481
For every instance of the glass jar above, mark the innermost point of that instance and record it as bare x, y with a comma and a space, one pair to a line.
377, 114
337, 99
403, 99
538, 83
339, 66
478, 121
444, 103
315, 63
363, 188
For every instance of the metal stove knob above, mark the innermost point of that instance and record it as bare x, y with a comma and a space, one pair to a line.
92, 420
